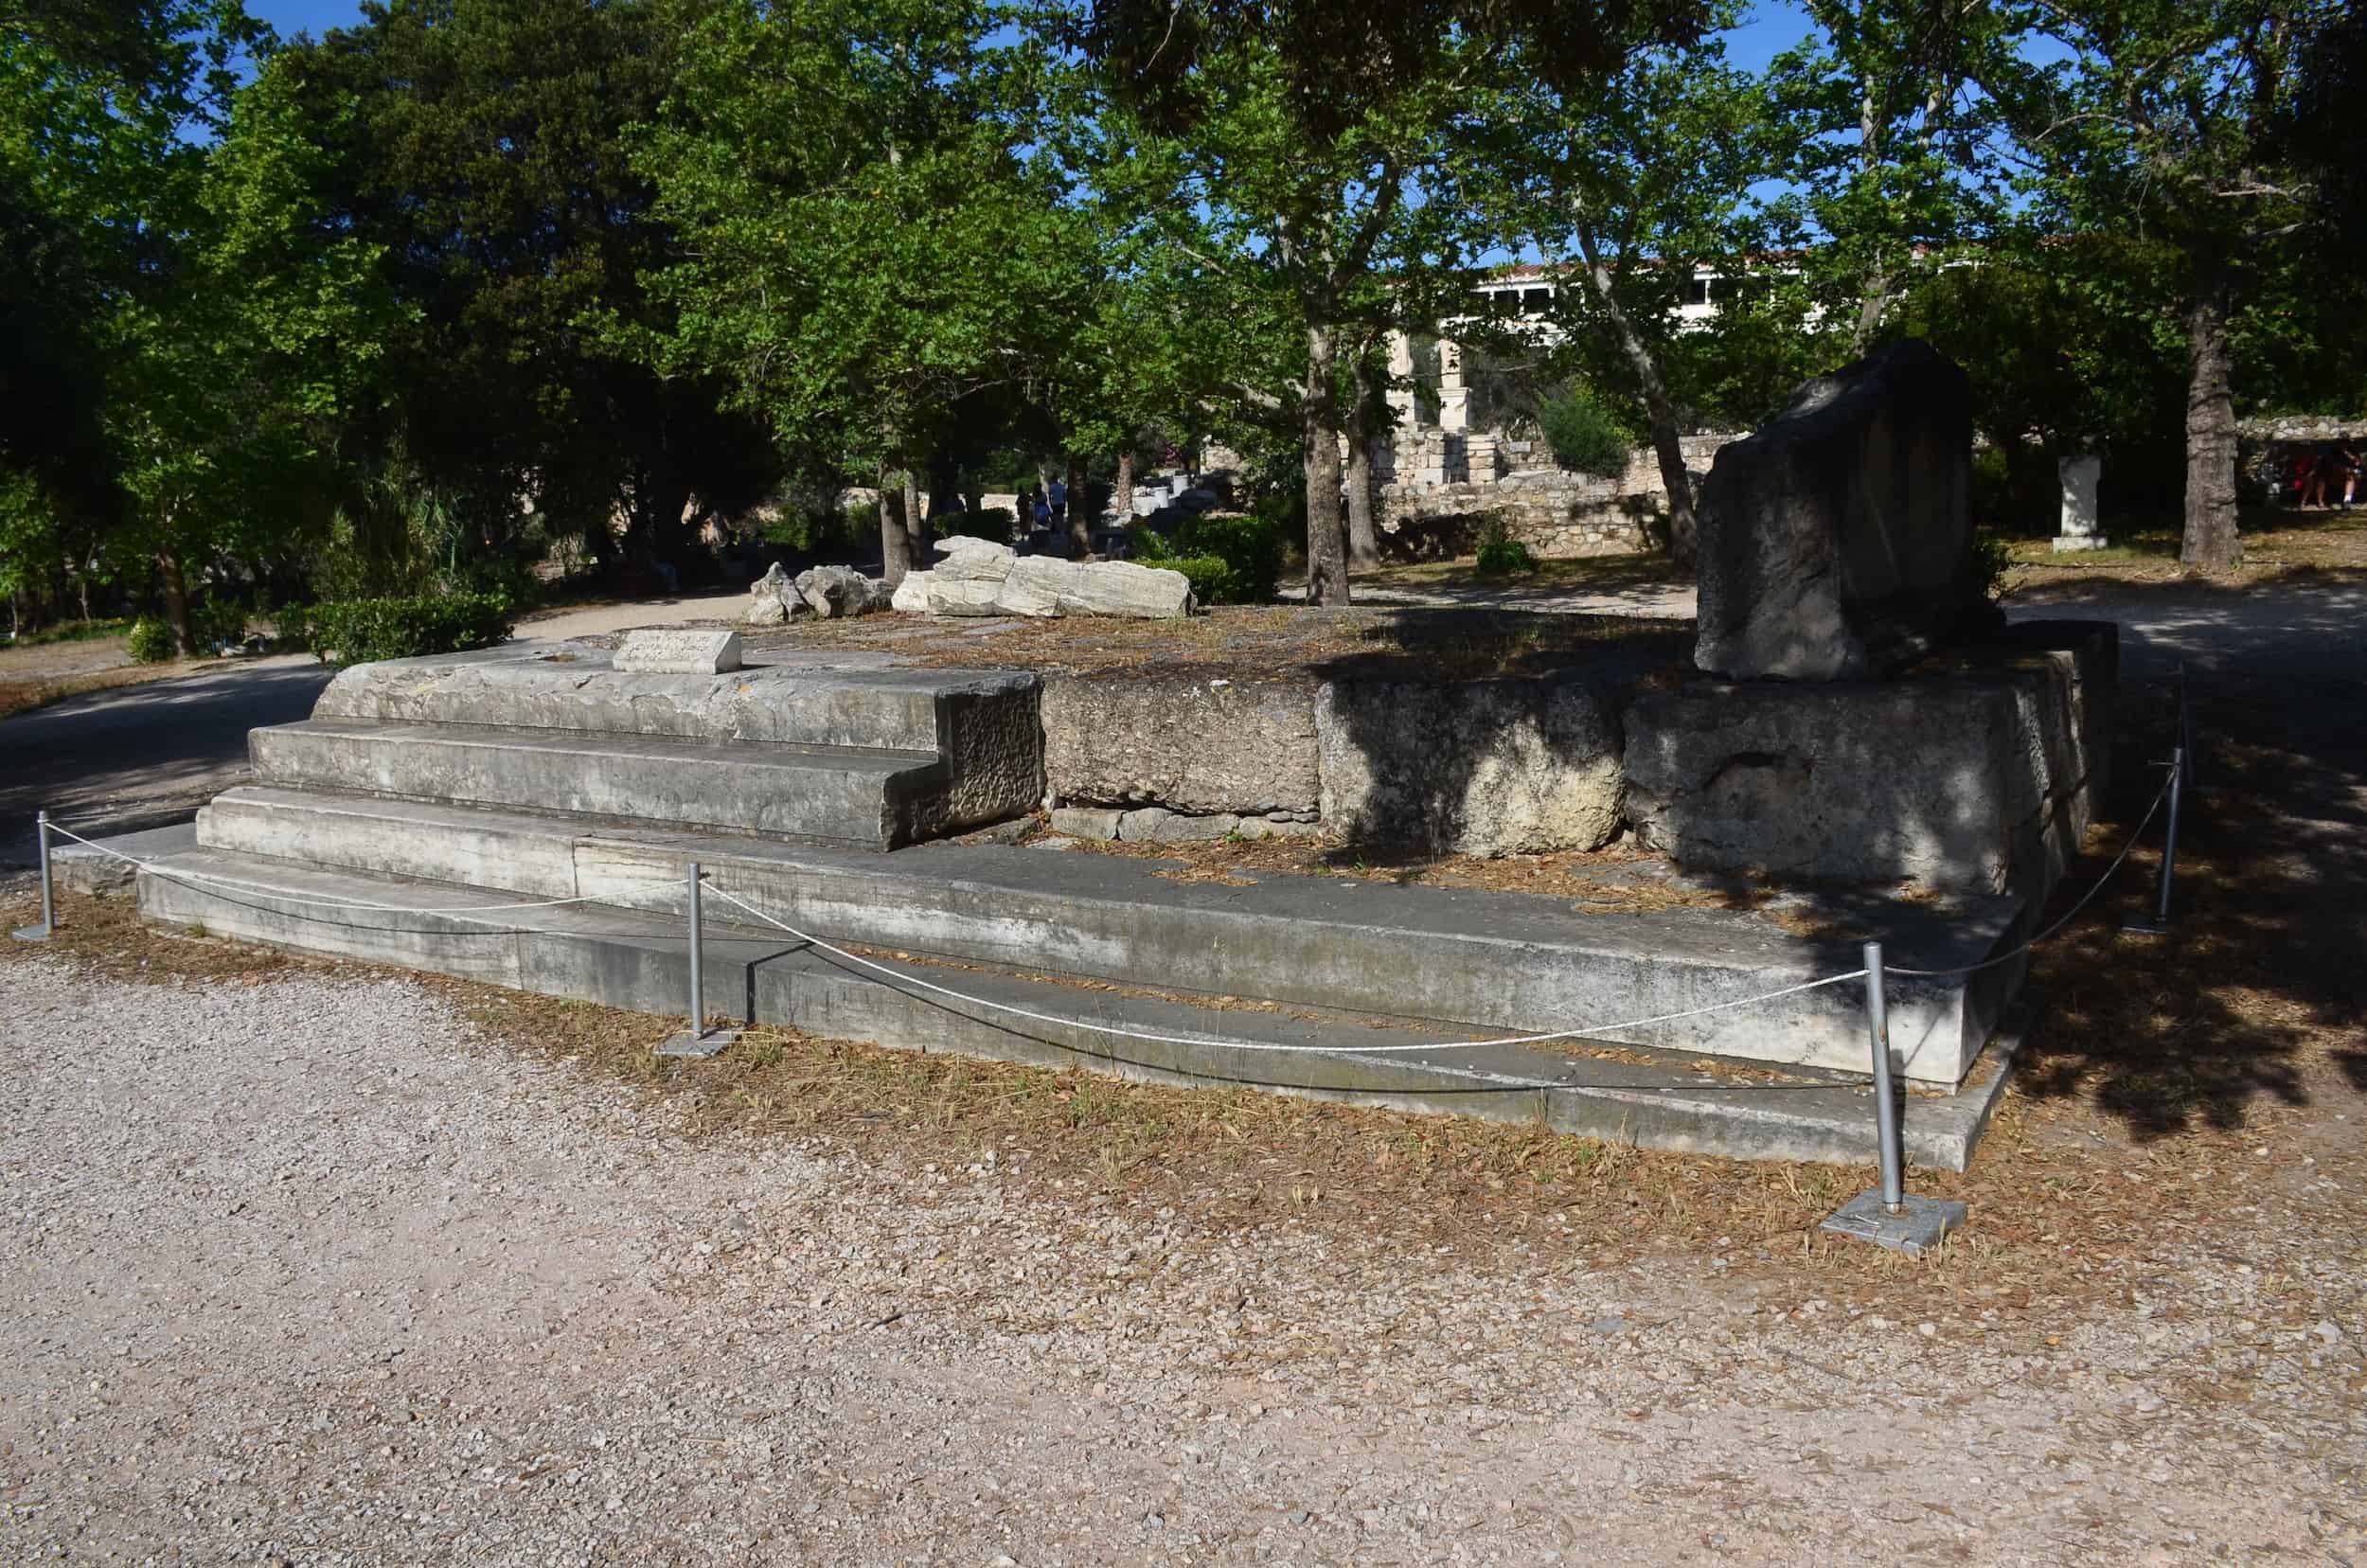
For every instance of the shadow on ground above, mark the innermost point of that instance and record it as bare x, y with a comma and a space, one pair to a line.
2265, 974
117, 761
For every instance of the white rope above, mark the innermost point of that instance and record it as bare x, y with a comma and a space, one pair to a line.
1270, 1045
194, 879
2094, 889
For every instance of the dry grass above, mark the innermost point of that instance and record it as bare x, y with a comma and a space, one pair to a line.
2279, 546
25, 695
1618, 878
1250, 642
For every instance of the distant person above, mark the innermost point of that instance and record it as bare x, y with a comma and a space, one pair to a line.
1043, 512
2305, 475
2349, 459
2321, 470
1057, 498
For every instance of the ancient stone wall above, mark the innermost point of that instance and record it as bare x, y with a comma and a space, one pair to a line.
1556, 513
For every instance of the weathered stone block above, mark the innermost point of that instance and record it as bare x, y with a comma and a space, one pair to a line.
669, 651
1087, 822
980, 578
1979, 778
1476, 768
1837, 541
1181, 739
835, 591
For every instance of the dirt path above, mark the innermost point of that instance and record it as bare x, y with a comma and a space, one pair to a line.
296, 1271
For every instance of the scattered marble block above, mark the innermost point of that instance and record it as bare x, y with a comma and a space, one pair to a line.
677, 652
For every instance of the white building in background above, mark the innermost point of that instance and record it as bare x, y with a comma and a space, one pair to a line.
1427, 453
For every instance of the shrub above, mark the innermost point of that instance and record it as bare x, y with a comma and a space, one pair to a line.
1992, 558
1506, 557
151, 640
218, 623
1212, 578
1500, 554
1584, 436
359, 630
1248, 543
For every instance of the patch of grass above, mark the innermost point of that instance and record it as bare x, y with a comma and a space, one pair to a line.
72, 630
24, 696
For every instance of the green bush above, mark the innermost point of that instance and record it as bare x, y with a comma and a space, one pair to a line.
1504, 557
151, 640
1250, 543
1212, 578
71, 631
1500, 554
218, 623
1584, 436
360, 631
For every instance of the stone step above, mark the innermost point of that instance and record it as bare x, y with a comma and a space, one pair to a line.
775, 698
874, 799
1508, 962
638, 959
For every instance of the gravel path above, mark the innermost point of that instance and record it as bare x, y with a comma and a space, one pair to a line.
302, 1271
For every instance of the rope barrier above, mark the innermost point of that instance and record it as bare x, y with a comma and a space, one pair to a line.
1124, 1033
200, 878
2094, 888
328, 901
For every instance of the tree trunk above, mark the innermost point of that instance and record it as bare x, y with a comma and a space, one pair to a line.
1319, 457
1123, 501
896, 549
916, 528
1683, 542
2211, 540
1080, 525
1363, 536
176, 602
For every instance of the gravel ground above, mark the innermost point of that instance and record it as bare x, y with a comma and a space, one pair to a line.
303, 1270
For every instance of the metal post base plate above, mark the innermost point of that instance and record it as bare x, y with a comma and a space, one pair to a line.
2145, 925
1919, 1225
705, 1043
32, 934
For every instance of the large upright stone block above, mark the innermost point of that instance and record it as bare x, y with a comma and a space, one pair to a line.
1837, 541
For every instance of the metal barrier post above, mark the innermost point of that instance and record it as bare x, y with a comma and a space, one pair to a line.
49, 898
2158, 923
698, 1040
1885, 1097
1887, 1216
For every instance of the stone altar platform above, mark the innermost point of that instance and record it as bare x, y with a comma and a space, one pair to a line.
438, 786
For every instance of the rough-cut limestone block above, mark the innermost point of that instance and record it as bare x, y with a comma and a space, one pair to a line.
1087, 822
677, 652
912, 594
1837, 541
1977, 778
836, 591
1183, 739
1103, 587
980, 578
1477, 767
1157, 825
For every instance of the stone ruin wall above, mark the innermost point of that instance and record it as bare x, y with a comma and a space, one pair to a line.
1432, 496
